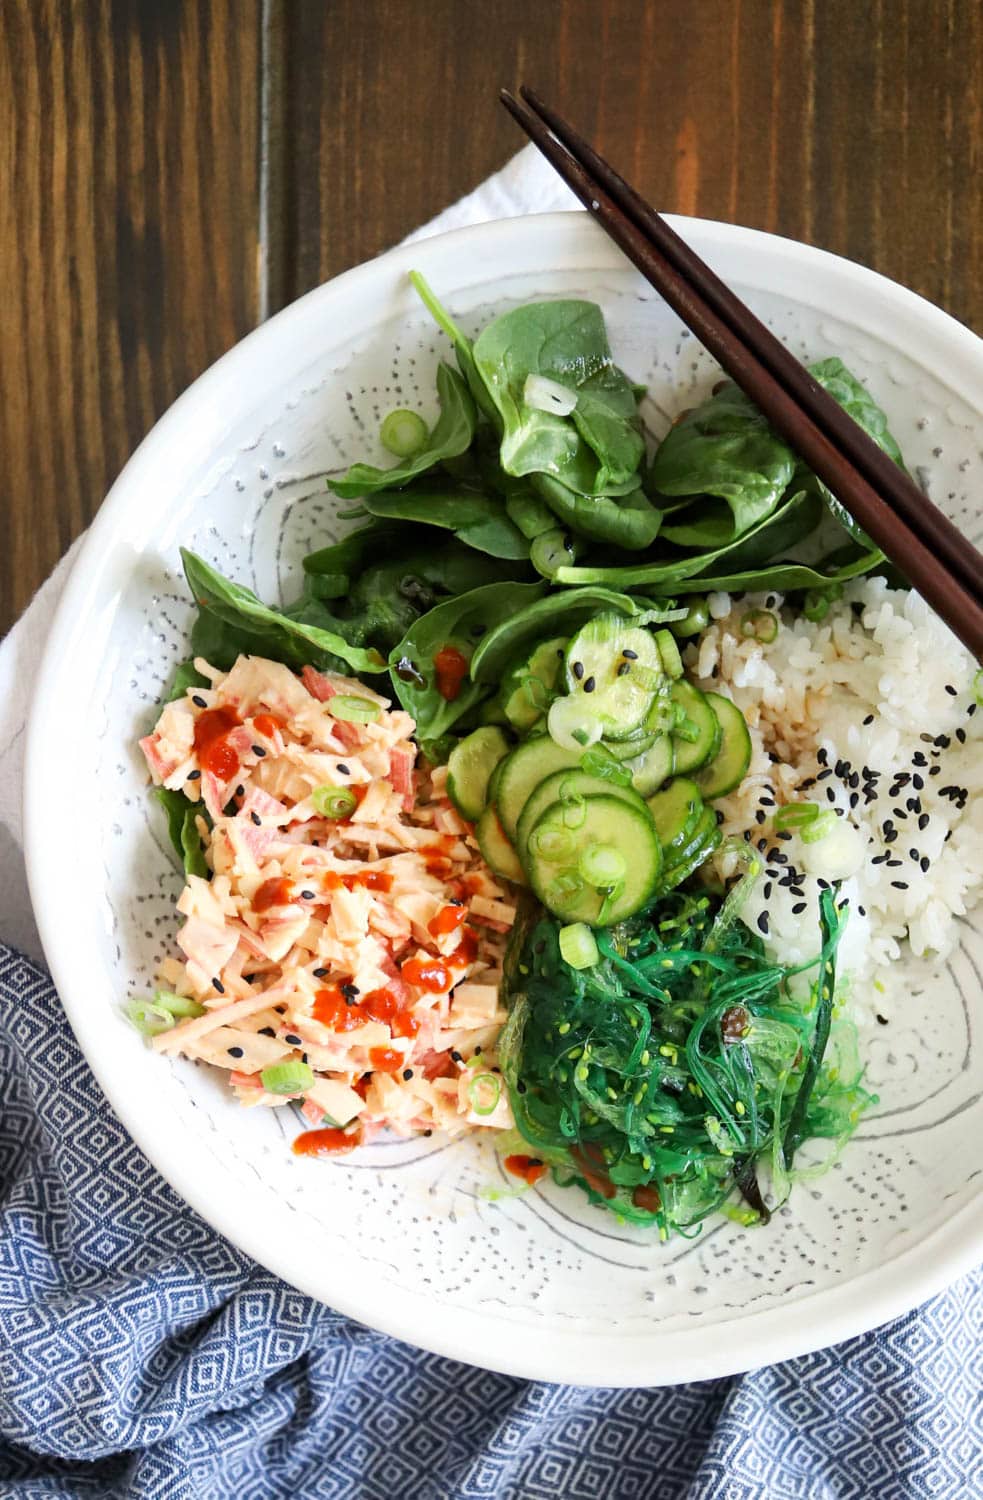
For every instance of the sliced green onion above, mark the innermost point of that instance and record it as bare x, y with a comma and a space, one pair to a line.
601, 763
292, 1077
649, 677
565, 885
353, 710
821, 825
797, 814
672, 662
578, 946
484, 1091
151, 1017
334, 801
403, 433
552, 843
816, 606
978, 687
574, 811
148, 1018
759, 625
603, 866
695, 620
686, 729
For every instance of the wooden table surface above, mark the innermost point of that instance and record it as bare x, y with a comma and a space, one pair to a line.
173, 171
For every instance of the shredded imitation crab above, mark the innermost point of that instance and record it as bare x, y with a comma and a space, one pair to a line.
346, 951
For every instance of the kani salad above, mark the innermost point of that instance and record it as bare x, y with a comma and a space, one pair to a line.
562, 801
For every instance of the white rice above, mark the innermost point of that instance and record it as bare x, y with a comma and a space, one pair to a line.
882, 656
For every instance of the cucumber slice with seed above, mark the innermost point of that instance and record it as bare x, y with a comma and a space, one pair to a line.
565, 786
523, 770
615, 667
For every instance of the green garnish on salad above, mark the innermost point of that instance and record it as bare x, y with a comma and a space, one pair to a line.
534, 575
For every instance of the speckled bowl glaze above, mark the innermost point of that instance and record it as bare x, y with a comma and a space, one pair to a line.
408, 1237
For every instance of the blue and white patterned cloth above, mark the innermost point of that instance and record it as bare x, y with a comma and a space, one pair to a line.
143, 1356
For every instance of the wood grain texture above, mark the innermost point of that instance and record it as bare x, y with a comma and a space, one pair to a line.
855, 127
136, 244
128, 242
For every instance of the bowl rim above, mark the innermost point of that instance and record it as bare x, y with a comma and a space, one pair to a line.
922, 331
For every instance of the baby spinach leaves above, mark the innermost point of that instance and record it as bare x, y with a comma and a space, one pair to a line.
631, 522
232, 620
595, 450
183, 829
457, 625
451, 436
479, 521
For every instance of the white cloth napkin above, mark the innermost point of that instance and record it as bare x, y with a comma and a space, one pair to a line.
526, 184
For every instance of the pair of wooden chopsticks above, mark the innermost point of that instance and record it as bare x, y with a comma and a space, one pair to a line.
912, 532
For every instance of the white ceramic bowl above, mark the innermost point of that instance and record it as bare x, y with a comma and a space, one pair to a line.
405, 1237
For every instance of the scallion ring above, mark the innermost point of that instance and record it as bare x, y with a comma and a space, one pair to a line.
334, 801
351, 709
759, 625
484, 1092
797, 814
403, 433
291, 1077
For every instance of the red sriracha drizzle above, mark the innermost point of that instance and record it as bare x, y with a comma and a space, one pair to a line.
267, 724
327, 1142
529, 1168
429, 974
275, 892
451, 668
212, 747
447, 920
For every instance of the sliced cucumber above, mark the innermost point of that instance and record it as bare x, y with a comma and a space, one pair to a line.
528, 687
650, 769
600, 872
705, 840
615, 668
676, 811
523, 770
469, 767
496, 850
701, 739
637, 744
729, 766
569, 787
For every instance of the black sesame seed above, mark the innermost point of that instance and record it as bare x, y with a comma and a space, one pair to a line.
194, 775
951, 690
218, 985
882, 1020
342, 770
894, 864
407, 1074
890, 834
799, 908
759, 816
942, 741
234, 1051
830, 794
821, 756
240, 790
267, 1031
631, 655
919, 758
625, 667
935, 771
477, 1051
578, 670
961, 736
854, 798
320, 973
784, 835
766, 889
924, 864
918, 782
914, 854
763, 922
823, 774
900, 885
199, 701
869, 719
520, 1087
589, 685
862, 910
256, 818
258, 750
971, 710
456, 1057
923, 821
307, 895
853, 779
350, 991
291, 1040
878, 859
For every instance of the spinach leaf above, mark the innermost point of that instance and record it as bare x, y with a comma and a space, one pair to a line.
782, 576
460, 624
184, 678
631, 522
463, 347
555, 614
334, 567
451, 435
794, 519
232, 620
598, 448
479, 521
181, 825
725, 448
855, 399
